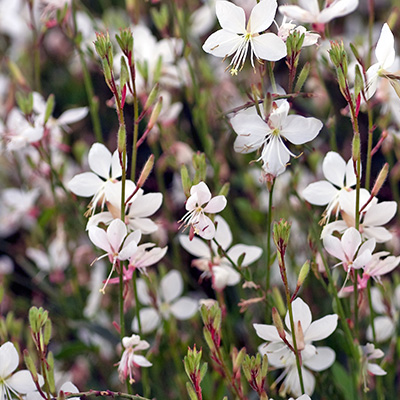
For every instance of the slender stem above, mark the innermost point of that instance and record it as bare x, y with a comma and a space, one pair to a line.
135, 122
371, 310
106, 393
135, 292
371, 13
269, 232
270, 67
369, 148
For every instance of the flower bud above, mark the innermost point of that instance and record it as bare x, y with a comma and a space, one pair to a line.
146, 171
121, 139
124, 77
47, 332
49, 108
380, 180
186, 182
356, 147
276, 318
237, 358
281, 233
152, 96
305, 269
31, 366
302, 77
155, 113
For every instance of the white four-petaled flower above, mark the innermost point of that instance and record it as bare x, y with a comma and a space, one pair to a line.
236, 36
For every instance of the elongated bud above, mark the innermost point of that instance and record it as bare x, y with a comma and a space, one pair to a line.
125, 41
358, 83
121, 139
146, 171
302, 77
186, 182
17, 74
276, 318
155, 113
225, 189
102, 45
267, 104
237, 358
356, 148
30, 365
124, 79
278, 300
47, 332
380, 180
50, 375
107, 73
49, 108
152, 96
200, 166
25, 102
281, 233
160, 17
305, 269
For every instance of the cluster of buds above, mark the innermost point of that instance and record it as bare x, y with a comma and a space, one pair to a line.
195, 372
212, 327
294, 43
338, 56
255, 370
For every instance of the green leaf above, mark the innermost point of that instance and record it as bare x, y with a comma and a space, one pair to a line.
343, 381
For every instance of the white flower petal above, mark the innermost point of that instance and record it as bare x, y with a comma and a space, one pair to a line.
380, 234
223, 234
262, 16
216, 204
298, 13
99, 238
375, 369
222, 43
202, 191
86, 184
319, 193
141, 361
372, 80
116, 233
72, 116
299, 130
145, 205
351, 178
301, 312
231, 17
206, 228
196, 246
252, 253
267, 332
322, 360
143, 292
380, 214
384, 51
334, 247
334, 168
9, 359
70, 388
116, 168
145, 225
269, 46
351, 241
384, 329
184, 308
22, 382
321, 328
171, 286
149, 320
337, 9
99, 159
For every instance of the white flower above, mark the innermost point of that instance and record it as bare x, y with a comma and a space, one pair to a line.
385, 54
219, 269
12, 385
369, 353
287, 28
168, 301
314, 358
111, 242
96, 183
236, 36
254, 133
129, 359
339, 175
195, 217
67, 387
308, 10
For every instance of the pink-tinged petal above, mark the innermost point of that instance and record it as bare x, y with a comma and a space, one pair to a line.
245, 144
384, 329
145, 225
267, 332
202, 191
309, 5
338, 8
72, 116
380, 234
231, 17
279, 115
351, 178
128, 251
171, 286
372, 80
250, 124
222, 43
380, 214
319, 193
9, 359
70, 388
149, 320
298, 13
384, 51
22, 382
334, 247
184, 308
262, 16
299, 130
268, 46
334, 168
369, 246
99, 238
322, 360
102, 217
86, 184
252, 253
362, 260
223, 234
321, 329
145, 205
116, 233
224, 276
301, 312
292, 382
275, 157
143, 292
351, 241
113, 191
99, 159
40, 258
216, 204
375, 369
206, 228
196, 246
141, 361
116, 169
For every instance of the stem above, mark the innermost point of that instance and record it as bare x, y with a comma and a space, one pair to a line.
369, 148
136, 302
371, 310
135, 121
106, 393
269, 230
271, 75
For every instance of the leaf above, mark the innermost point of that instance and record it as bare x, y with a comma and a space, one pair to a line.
343, 381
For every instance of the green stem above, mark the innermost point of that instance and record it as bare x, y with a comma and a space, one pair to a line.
106, 393
271, 75
135, 123
369, 148
371, 310
135, 292
269, 232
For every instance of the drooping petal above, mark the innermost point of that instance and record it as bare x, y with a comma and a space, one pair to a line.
145, 205
337, 9
145, 225
141, 361
334, 168
262, 16
202, 191
334, 247
99, 159
375, 369
275, 157
384, 329
268, 46
267, 332
299, 130
301, 312
143, 292
298, 13
351, 241
22, 382
116, 233
196, 246
321, 328
72, 116
70, 388
380, 214
372, 80
351, 178
379, 233
9, 359
223, 234
323, 359
216, 204
206, 228
252, 253
231, 17
384, 51
319, 193
86, 184
149, 320
292, 381
99, 238
116, 168
184, 308
171, 286
225, 276
128, 250
222, 43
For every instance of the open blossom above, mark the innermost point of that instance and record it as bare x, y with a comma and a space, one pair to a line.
106, 169
254, 133
385, 55
236, 37
168, 301
368, 354
340, 177
199, 203
130, 360
308, 10
217, 267
313, 358
14, 384
286, 28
